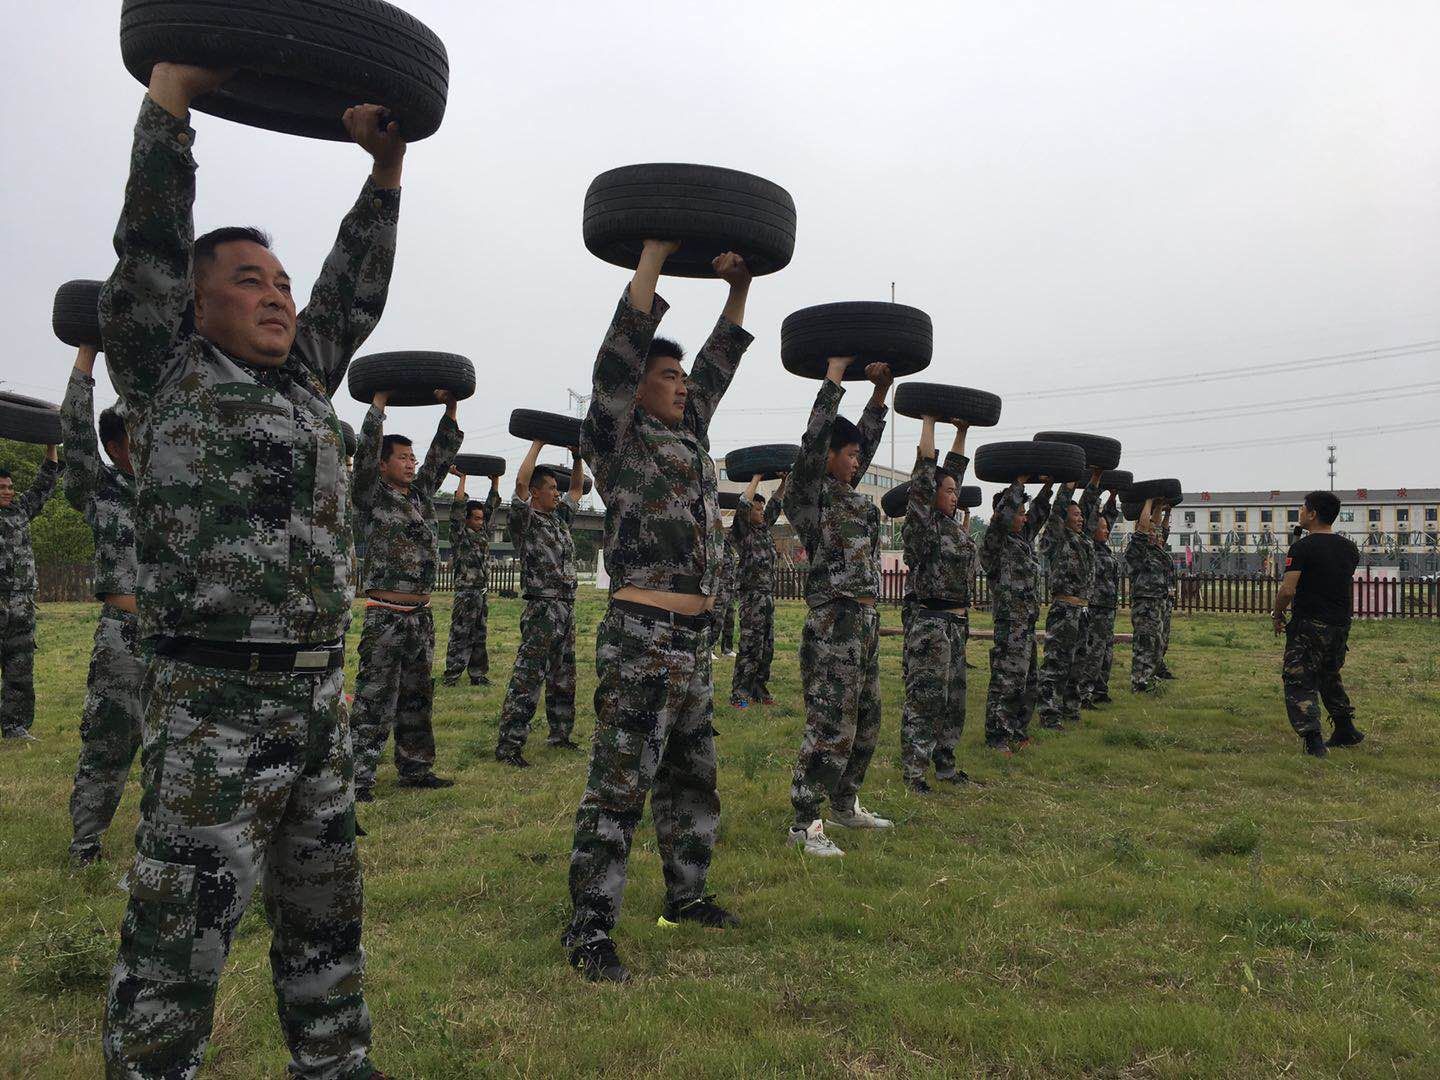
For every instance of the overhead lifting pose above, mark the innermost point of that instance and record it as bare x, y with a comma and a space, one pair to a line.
471, 522
755, 594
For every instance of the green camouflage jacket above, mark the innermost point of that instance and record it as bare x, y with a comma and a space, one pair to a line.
1149, 566
104, 494
243, 506
1070, 556
839, 527
470, 548
1009, 559
939, 550
17, 557
730, 564
662, 510
1106, 593
545, 548
755, 549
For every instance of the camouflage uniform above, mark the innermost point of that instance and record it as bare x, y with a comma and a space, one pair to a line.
1013, 573
1097, 641
470, 611
940, 555
546, 656
840, 643
1171, 582
393, 687
755, 588
1314, 654
110, 724
242, 536
1070, 559
1145, 562
725, 598
17, 603
654, 695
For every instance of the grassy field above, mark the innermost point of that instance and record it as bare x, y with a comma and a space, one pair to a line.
1172, 890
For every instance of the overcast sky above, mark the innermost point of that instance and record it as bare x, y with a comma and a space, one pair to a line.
1080, 195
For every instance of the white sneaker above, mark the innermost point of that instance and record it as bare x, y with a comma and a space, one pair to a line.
857, 818
813, 841
729, 652
713, 655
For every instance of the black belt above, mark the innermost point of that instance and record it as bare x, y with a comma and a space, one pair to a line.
942, 605
650, 613
254, 656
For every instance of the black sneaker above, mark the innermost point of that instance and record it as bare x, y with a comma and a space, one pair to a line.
958, 777
1142, 688
564, 744
1315, 745
1165, 673
704, 911
515, 759
482, 680
1088, 704
1346, 735
599, 962
81, 859
364, 794
919, 787
1102, 698
450, 682
425, 780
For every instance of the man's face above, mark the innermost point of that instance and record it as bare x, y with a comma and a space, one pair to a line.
844, 464
947, 496
757, 512
243, 303
544, 494
1307, 517
663, 390
475, 520
1102, 531
1074, 520
120, 454
398, 470
7, 491
1018, 521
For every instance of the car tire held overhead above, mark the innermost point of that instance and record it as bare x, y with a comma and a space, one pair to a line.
869, 330
411, 377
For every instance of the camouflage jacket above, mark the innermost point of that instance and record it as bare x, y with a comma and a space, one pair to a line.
1147, 564
402, 538
730, 565
755, 546
1070, 556
939, 551
1106, 593
1172, 575
662, 510
1009, 559
104, 494
470, 548
242, 505
839, 527
545, 548
17, 557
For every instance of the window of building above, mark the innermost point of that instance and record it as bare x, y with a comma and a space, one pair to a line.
1346, 515
1374, 516
1214, 517
1266, 516
1240, 517
1189, 517
1214, 539
1430, 514
1402, 516
1292, 517
722, 473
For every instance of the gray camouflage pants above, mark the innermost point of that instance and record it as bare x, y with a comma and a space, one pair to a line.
727, 622
467, 648
110, 727
1097, 652
840, 671
1167, 611
1147, 620
757, 646
247, 780
546, 658
393, 689
1014, 674
17, 661
934, 713
653, 735
1059, 683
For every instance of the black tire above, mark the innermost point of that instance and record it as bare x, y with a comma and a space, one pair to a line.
554, 429
352, 443
27, 419
1131, 510
1004, 462
869, 330
411, 377
729, 500
480, 464
979, 408
302, 62
75, 316
1116, 480
709, 209
895, 501
1167, 489
562, 479
1101, 451
971, 496
769, 460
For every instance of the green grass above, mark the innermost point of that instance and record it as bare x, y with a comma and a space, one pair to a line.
1171, 891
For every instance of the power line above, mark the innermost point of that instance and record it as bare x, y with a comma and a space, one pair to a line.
1299, 436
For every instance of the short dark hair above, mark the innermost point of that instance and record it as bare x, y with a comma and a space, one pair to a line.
543, 472
203, 250
662, 346
757, 497
941, 473
5, 475
112, 428
1323, 504
472, 505
389, 442
844, 434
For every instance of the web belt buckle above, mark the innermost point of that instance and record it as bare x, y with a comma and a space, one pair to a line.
312, 660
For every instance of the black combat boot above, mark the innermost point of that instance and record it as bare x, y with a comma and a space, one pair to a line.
599, 962
1346, 734
1314, 744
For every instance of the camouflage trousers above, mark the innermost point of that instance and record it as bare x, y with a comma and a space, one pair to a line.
467, 649
840, 671
393, 689
1059, 684
110, 727
934, 713
1147, 619
546, 658
653, 735
1314, 655
1097, 652
247, 779
757, 646
726, 621
1014, 673
17, 661
1166, 612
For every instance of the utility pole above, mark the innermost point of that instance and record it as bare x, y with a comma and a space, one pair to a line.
578, 402
1331, 448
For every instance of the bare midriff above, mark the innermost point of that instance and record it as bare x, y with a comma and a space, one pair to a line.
1069, 600
123, 601
407, 598
678, 602
868, 601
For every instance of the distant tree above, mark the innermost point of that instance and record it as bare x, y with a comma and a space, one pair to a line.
59, 534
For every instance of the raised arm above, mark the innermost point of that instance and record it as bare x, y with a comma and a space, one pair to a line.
1039, 510
457, 505
775, 503
1054, 528
1090, 501
33, 501
577, 479
77, 432
492, 501
443, 447
365, 481
527, 469
716, 362
956, 463
872, 420
807, 479
920, 510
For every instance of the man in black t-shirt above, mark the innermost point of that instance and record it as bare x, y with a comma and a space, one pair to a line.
1318, 573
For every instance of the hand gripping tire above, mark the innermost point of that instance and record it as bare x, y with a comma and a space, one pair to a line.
1118, 480
948, 404
1140, 490
75, 317
562, 479
1005, 462
302, 62
347, 434
710, 210
480, 464
411, 377
1101, 451
27, 419
896, 501
553, 429
869, 330
769, 460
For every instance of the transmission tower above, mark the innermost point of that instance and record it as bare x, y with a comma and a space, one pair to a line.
1331, 448
578, 402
